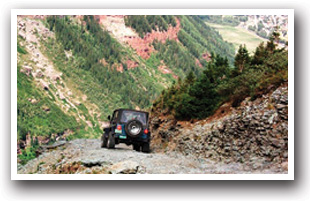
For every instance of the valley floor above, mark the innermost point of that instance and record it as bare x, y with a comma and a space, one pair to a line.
239, 36
85, 156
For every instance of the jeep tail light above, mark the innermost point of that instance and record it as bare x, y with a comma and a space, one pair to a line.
119, 127
146, 131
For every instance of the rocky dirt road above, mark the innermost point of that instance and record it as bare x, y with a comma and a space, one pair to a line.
85, 156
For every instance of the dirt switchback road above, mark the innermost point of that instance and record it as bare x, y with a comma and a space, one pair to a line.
85, 156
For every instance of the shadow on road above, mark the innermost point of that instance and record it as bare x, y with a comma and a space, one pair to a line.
123, 147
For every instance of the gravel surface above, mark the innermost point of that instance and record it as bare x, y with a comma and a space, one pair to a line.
85, 156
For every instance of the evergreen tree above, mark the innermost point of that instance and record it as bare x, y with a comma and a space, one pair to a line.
242, 59
276, 36
190, 78
205, 98
184, 108
259, 55
217, 69
271, 46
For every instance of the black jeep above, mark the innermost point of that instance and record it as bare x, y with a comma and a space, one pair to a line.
129, 127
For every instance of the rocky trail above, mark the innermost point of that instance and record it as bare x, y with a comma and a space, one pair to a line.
250, 139
85, 156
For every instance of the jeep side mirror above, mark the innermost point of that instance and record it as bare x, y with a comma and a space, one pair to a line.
109, 117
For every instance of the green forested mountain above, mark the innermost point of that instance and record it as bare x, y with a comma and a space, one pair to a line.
73, 72
145, 24
90, 43
197, 97
195, 36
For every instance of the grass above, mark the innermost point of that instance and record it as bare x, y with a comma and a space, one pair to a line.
238, 36
21, 49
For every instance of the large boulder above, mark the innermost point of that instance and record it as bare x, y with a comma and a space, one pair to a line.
124, 167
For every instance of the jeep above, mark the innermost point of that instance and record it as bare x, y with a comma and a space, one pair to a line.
129, 127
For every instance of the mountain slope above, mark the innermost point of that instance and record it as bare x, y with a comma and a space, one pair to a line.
254, 134
75, 70
49, 108
237, 114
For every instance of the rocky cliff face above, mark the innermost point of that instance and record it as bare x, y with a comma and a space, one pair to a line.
256, 133
115, 24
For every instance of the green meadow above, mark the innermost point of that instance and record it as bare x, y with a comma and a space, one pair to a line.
238, 36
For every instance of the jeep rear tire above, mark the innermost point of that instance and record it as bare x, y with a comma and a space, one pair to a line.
146, 147
111, 141
103, 141
136, 147
134, 128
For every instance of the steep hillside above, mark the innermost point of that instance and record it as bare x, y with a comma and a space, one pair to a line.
49, 106
75, 70
160, 61
176, 44
254, 134
212, 111
237, 114
197, 97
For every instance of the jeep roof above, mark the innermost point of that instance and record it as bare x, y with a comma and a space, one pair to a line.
121, 110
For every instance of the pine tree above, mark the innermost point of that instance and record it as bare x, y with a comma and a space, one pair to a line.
190, 78
273, 42
217, 69
259, 55
242, 59
204, 96
184, 107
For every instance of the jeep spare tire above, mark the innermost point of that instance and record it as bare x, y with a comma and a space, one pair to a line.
134, 128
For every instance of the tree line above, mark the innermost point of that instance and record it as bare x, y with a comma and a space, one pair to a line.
146, 23
197, 97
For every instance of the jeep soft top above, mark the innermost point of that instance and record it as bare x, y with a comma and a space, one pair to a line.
130, 127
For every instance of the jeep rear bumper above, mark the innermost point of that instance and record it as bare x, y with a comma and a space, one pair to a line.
130, 140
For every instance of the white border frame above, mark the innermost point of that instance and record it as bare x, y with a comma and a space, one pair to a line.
15, 12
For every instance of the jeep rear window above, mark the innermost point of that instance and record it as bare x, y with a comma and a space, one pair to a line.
131, 115
115, 116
